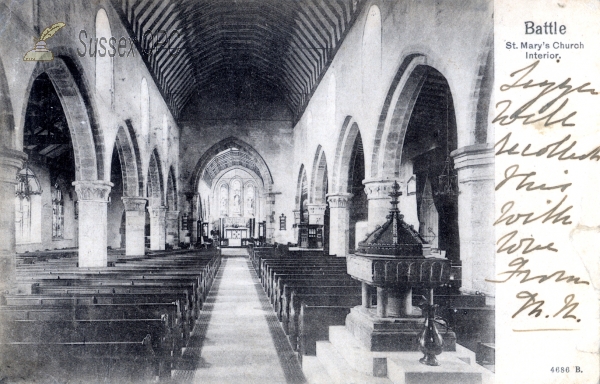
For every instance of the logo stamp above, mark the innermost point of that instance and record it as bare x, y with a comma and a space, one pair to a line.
41, 52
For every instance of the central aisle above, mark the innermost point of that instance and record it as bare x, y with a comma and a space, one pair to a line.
240, 339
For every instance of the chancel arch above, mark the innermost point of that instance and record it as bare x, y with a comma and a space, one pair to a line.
233, 180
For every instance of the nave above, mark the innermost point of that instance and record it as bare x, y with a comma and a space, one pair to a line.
237, 336
277, 130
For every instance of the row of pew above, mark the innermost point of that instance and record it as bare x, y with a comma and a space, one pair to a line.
125, 323
310, 292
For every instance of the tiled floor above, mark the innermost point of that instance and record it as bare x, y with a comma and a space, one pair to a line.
238, 338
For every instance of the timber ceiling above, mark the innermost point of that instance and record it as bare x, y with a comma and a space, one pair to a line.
283, 45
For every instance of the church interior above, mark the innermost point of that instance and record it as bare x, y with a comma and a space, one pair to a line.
237, 191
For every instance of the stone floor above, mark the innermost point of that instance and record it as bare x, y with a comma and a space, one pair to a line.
237, 338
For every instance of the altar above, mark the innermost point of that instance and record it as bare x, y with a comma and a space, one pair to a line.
235, 236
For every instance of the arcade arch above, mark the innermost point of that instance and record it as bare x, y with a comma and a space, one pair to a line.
413, 145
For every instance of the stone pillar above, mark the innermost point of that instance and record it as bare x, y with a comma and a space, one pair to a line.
381, 302
366, 297
93, 201
135, 222
11, 162
339, 223
379, 201
475, 167
172, 221
157, 228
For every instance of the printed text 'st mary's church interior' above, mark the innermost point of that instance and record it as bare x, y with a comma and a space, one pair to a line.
238, 191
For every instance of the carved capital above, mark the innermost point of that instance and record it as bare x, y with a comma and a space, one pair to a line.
474, 162
11, 162
378, 189
137, 204
172, 215
339, 200
158, 212
93, 190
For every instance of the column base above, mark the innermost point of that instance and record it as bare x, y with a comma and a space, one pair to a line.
390, 334
344, 359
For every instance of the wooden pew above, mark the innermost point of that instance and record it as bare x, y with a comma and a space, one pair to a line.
345, 286
64, 299
97, 337
472, 325
290, 321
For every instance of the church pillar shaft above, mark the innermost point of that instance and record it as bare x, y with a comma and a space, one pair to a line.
339, 221
366, 298
157, 228
93, 201
172, 220
11, 162
381, 302
475, 167
379, 201
135, 222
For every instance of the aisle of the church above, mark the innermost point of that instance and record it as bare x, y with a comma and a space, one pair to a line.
238, 338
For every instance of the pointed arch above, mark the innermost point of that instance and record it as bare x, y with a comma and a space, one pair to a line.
407, 86
69, 82
131, 168
171, 190
343, 154
230, 151
154, 182
302, 194
319, 179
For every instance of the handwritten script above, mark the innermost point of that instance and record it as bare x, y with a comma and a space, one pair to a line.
537, 202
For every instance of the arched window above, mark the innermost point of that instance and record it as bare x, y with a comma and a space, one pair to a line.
28, 208
250, 199
145, 111
371, 50
236, 198
58, 218
104, 59
224, 200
